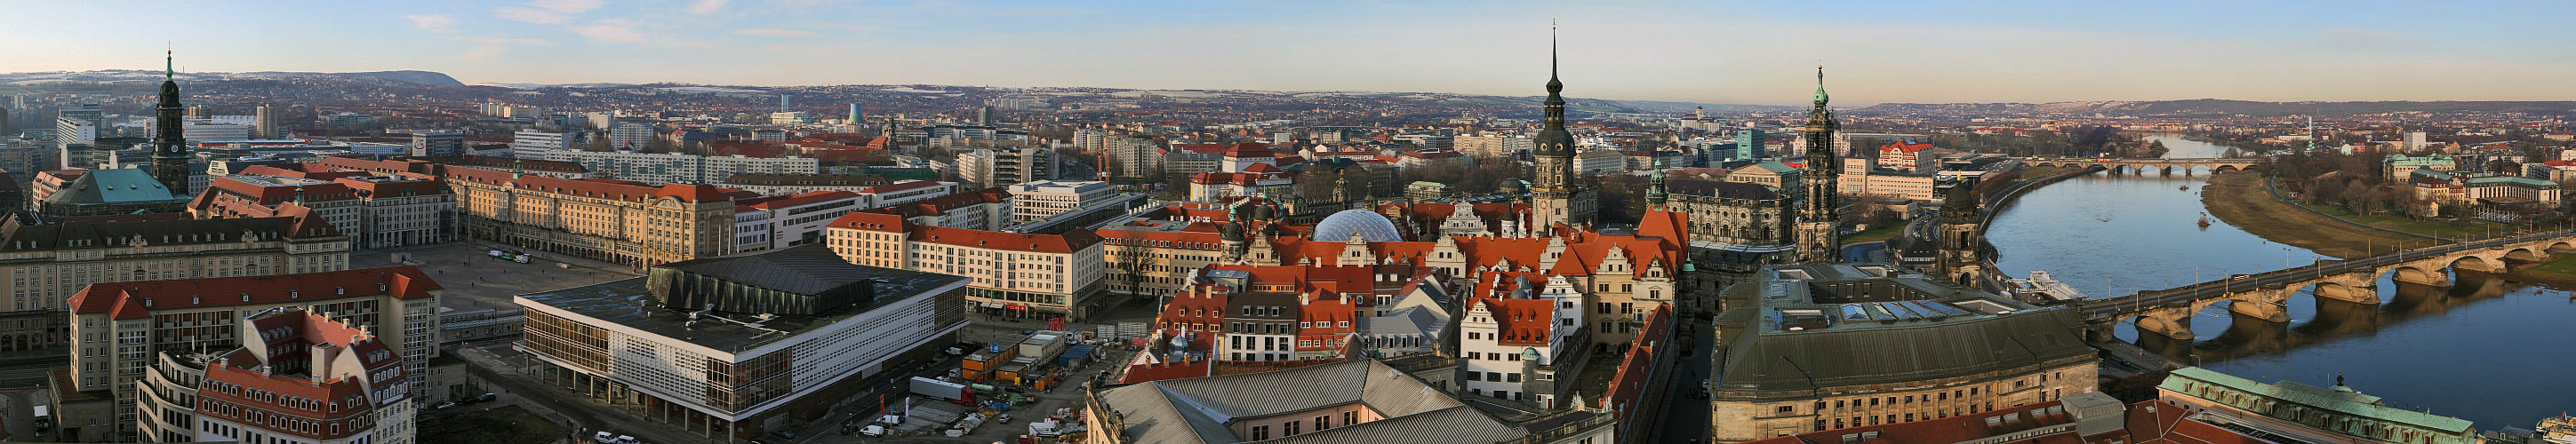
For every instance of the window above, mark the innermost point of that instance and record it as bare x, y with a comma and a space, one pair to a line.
1290, 429
1351, 417
1260, 433
1512, 377
1323, 422
1785, 410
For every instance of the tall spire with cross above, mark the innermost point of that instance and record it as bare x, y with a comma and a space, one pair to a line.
169, 145
1819, 240
1554, 196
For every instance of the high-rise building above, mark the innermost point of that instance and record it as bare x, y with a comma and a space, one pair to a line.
532, 144
630, 136
264, 123
1748, 144
2415, 141
1002, 167
1818, 240
984, 115
437, 143
1554, 198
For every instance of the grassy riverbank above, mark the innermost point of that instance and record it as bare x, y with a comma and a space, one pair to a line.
2561, 271
1875, 234
2239, 198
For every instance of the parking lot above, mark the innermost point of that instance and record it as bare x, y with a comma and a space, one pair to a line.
476, 281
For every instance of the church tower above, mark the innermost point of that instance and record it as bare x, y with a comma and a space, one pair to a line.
1961, 248
1818, 238
1554, 197
169, 147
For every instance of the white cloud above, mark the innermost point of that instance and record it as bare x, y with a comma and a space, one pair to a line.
611, 31
568, 6
706, 6
775, 32
538, 16
433, 23
487, 47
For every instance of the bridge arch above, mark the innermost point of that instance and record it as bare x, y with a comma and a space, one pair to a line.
2225, 168
2558, 246
2415, 275
2525, 255
2475, 263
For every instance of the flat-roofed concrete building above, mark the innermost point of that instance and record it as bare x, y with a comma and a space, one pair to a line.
1357, 401
733, 347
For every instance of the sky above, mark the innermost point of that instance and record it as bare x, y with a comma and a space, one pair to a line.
1762, 52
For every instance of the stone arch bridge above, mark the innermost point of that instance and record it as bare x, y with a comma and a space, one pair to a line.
2266, 296
2165, 166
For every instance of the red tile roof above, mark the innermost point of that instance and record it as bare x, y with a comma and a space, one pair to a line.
1521, 321
124, 300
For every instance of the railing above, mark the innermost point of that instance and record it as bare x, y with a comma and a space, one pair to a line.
2133, 302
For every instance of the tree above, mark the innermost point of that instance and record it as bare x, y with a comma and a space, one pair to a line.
1132, 259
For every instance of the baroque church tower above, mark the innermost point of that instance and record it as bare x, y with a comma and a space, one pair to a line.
1962, 250
1554, 197
169, 147
1818, 238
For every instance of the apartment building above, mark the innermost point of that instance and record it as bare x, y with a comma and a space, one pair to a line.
1006, 166
662, 168
241, 196
776, 184
1010, 274
772, 222
48, 264
400, 210
610, 220
314, 377
122, 327
1039, 200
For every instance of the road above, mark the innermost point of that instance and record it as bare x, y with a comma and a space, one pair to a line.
17, 413
2184, 296
1685, 412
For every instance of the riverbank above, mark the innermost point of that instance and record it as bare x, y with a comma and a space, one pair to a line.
2560, 272
2240, 199
1879, 234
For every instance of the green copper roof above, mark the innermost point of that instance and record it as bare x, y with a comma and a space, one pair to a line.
114, 186
2513, 180
2189, 381
1820, 86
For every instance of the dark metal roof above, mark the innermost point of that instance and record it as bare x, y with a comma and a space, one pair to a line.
1719, 189
803, 269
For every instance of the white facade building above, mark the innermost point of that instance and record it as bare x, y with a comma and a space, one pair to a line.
1039, 200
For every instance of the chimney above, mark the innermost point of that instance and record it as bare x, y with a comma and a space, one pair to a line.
323, 354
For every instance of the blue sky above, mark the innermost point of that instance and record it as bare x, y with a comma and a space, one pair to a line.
1720, 52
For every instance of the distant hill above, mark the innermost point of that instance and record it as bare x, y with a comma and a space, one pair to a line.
2222, 107
431, 78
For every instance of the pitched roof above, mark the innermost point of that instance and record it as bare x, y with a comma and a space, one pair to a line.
125, 300
1521, 321
114, 186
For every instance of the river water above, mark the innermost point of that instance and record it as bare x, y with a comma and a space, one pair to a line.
2494, 352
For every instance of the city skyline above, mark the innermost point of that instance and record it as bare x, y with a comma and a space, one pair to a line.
1752, 53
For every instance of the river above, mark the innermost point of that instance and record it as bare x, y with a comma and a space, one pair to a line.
2485, 350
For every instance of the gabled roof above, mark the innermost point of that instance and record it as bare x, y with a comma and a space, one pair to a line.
114, 186
125, 300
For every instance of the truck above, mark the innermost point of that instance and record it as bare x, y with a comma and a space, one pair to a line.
44, 421
940, 389
1046, 429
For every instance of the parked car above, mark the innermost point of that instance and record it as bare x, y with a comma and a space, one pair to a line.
783, 433
487, 397
442, 406
610, 438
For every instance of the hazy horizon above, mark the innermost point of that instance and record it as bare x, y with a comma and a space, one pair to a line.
1719, 53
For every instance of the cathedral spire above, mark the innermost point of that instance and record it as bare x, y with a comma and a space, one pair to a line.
170, 65
1555, 104
1820, 86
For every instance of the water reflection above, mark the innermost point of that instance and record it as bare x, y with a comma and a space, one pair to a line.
2483, 349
